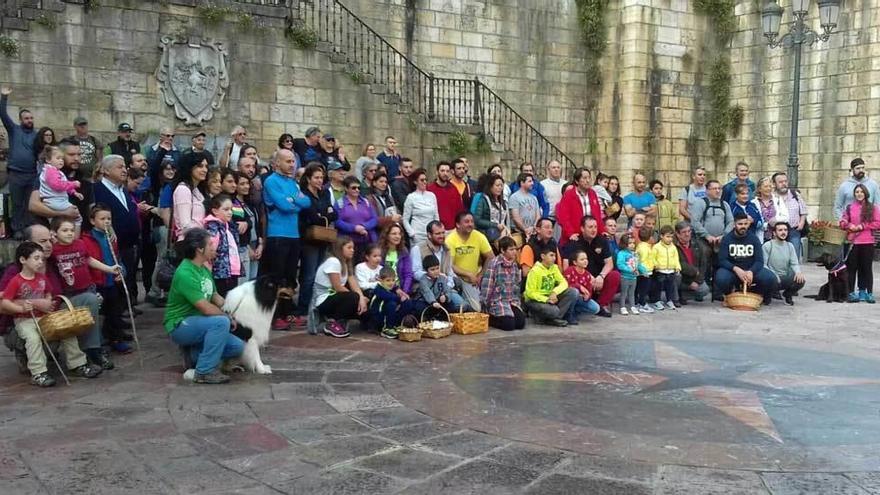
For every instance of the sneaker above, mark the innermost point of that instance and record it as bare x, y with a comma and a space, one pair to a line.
212, 378
646, 308
634, 310
390, 333
43, 380
678, 304
853, 297
604, 313
788, 300
869, 298
624, 311
334, 329
558, 322
99, 358
659, 306
670, 305
86, 371
121, 347
300, 321
281, 324
862, 294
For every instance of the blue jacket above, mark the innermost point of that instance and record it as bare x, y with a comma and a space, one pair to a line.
629, 265
745, 252
283, 200
126, 224
538, 191
751, 210
392, 164
728, 195
21, 143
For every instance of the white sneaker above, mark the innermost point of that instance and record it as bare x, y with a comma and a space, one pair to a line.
659, 306
623, 311
646, 308
634, 310
670, 305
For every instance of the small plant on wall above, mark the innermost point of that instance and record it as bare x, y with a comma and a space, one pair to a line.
8, 46
460, 143
47, 21
213, 15
301, 36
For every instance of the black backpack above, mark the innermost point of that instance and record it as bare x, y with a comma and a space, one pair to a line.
710, 206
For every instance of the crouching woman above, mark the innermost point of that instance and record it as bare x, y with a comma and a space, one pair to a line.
193, 317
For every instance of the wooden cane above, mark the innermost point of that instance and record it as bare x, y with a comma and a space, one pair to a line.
49, 349
131, 315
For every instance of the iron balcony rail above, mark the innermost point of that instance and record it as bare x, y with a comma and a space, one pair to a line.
443, 100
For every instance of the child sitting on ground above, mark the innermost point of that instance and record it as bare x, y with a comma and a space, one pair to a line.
666, 265
644, 283
433, 290
579, 279
547, 295
367, 271
27, 297
630, 268
386, 309
55, 189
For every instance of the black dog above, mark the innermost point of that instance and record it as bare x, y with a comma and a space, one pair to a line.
835, 290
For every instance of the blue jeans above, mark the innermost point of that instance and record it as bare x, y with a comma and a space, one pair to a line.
210, 337
582, 307
310, 257
764, 279
794, 237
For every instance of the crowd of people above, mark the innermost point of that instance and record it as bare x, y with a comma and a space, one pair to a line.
377, 241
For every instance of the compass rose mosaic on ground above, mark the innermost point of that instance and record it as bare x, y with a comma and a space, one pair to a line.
699, 391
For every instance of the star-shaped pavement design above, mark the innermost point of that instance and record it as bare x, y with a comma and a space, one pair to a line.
733, 391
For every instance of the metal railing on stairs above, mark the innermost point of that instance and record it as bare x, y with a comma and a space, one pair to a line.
441, 100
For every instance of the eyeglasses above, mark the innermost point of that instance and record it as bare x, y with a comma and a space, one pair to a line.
354, 188
423, 179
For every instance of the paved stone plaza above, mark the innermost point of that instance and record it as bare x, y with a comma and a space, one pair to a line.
698, 401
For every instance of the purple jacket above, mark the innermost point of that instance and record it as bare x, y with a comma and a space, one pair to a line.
349, 217
404, 270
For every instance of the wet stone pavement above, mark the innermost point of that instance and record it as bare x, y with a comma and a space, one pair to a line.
698, 401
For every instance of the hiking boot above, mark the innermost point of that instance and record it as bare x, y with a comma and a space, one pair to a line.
390, 333
86, 371
334, 329
557, 322
788, 299
853, 297
869, 298
212, 378
43, 380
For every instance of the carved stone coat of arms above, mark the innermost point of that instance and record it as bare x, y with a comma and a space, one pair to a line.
193, 78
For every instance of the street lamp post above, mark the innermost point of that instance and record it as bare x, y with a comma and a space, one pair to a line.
798, 35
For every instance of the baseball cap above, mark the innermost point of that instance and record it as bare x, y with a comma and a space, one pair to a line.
80, 121
125, 126
329, 137
333, 164
312, 130
199, 133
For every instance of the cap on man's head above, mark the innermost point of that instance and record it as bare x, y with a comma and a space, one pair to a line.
80, 121
311, 131
333, 164
124, 127
199, 133
329, 137
855, 163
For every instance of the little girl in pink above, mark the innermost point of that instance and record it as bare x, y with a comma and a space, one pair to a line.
55, 189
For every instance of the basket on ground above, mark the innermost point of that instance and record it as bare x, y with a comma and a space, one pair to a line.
469, 323
66, 323
743, 301
409, 334
833, 235
435, 329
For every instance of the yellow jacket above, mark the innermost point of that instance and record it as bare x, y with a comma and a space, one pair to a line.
665, 257
643, 251
543, 281
667, 213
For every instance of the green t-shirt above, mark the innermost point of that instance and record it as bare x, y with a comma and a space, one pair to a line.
191, 284
391, 261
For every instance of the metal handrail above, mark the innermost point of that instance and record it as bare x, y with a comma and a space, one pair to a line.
446, 100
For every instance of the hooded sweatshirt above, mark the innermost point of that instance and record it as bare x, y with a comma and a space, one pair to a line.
845, 193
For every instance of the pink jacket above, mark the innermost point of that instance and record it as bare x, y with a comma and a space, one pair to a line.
852, 215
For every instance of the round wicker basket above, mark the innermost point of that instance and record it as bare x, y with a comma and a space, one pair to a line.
428, 330
833, 235
743, 301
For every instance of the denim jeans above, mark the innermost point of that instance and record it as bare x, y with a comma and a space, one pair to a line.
92, 338
210, 337
582, 307
794, 237
310, 258
764, 280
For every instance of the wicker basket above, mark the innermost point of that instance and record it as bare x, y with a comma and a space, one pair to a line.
743, 301
469, 323
65, 323
833, 235
409, 334
428, 330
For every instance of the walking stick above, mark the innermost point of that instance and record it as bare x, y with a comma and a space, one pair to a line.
49, 349
134, 332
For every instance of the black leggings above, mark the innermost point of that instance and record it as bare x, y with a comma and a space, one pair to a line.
508, 323
112, 307
281, 258
859, 262
340, 306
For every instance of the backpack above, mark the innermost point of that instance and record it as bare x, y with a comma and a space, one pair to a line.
710, 206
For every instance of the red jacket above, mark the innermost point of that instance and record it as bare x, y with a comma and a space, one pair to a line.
570, 212
449, 203
94, 249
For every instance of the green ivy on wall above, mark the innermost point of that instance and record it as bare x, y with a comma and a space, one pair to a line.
8, 46
724, 120
593, 30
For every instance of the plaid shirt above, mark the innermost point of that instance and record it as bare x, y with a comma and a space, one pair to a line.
501, 287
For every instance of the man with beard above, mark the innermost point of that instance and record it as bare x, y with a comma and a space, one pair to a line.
90, 149
449, 202
70, 153
543, 237
470, 250
790, 208
741, 262
844, 196
401, 186
460, 182
781, 259
606, 280
21, 164
124, 145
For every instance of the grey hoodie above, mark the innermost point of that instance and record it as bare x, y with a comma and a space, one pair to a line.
845, 193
